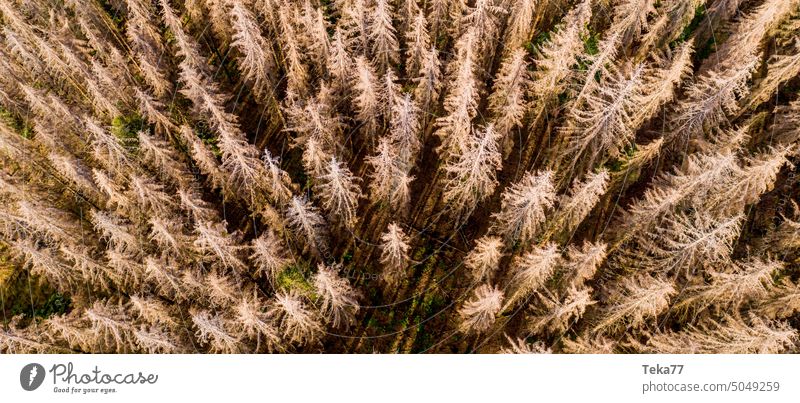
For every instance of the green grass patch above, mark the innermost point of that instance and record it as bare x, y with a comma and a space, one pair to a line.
347, 257
591, 44
707, 49
30, 296
618, 164
16, 123
615, 165
699, 15
295, 277
126, 129
56, 304
533, 46
208, 137
113, 14
591, 47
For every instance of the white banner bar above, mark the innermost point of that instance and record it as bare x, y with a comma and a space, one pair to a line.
398, 378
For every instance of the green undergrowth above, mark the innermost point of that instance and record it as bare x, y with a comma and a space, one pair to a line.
699, 15
126, 128
31, 297
618, 164
15, 123
208, 137
591, 43
295, 277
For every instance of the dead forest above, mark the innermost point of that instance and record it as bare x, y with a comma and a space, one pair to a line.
399, 176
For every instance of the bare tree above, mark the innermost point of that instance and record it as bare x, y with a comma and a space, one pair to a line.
520, 346
484, 259
574, 207
728, 290
661, 81
606, 124
478, 314
394, 254
780, 69
749, 183
116, 232
390, 182
213, 330
367, 94
252, 321
429, 80
418, 42
507, 102
339, 192
382, 34
338, 300
558, 314
556, 57
523, 208
269, 256
296, 322
530, 272
306, 222
711, 98
471, 176
731, 336
636, 300
404, 132
684, 242
461, 101
520, 23
257, 61
215, 243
